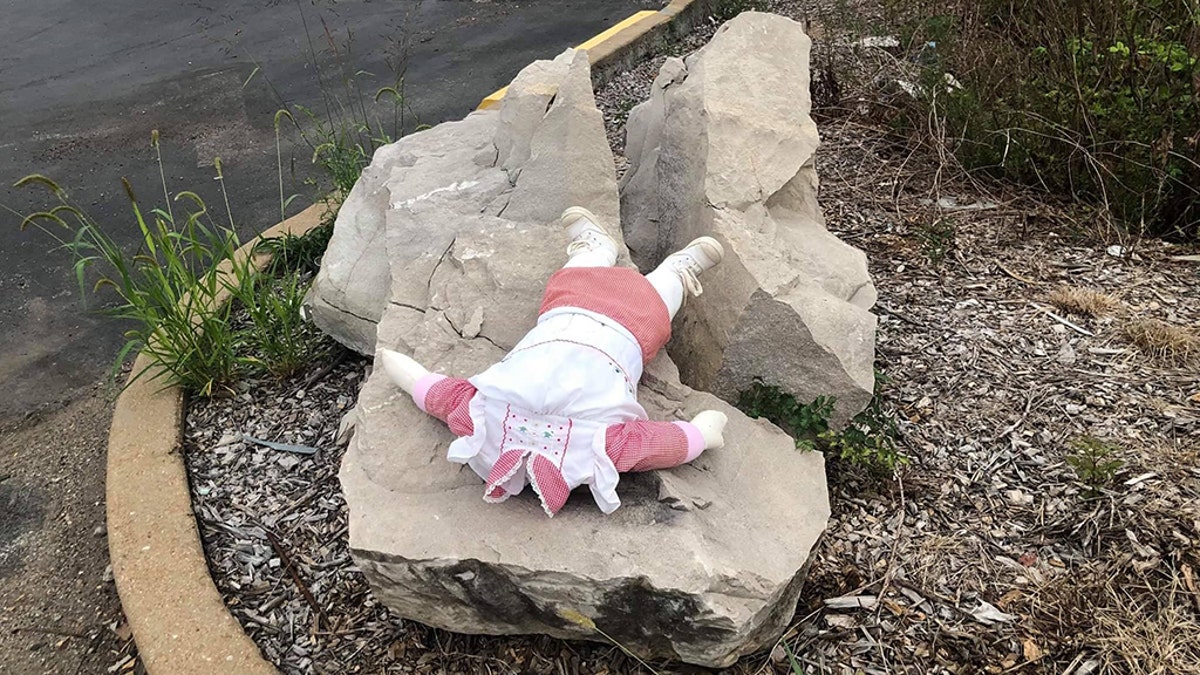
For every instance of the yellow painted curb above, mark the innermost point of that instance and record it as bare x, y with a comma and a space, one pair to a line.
604, 45
493, 99
180, 624
599, 39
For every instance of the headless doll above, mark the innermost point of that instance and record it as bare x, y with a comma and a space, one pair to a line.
560, 410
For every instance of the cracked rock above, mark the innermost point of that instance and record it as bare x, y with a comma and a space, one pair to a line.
725, 147
702, 563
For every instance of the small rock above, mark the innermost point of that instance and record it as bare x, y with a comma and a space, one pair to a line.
474, 324
778, 654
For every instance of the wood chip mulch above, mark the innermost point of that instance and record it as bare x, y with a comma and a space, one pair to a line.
986, 553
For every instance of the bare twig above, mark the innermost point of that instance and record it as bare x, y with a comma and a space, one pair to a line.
1066, 322
291, 568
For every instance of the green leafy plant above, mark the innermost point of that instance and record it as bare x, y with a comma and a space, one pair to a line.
868, 441
1087, 98
803, 421
1094, 463
937, 238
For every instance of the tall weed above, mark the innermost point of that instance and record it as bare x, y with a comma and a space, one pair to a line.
175, 287
352, 119
169, 288
279, 340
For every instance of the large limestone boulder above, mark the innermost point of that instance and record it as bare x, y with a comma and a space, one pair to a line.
701, 563
725, 147
486, 153
354, 284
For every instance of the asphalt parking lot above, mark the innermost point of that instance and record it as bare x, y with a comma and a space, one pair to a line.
82, 85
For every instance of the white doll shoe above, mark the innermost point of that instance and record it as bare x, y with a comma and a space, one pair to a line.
701, 254
586, 234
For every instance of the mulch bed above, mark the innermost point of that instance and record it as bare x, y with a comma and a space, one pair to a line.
986, 553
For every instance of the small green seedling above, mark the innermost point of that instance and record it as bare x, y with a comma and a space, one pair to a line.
1094, 463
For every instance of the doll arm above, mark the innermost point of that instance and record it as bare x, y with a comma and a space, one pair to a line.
644, 446
448, 399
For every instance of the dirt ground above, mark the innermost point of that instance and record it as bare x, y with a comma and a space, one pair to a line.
59, 611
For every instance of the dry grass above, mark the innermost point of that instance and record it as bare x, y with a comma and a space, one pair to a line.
1083, 301
1168, 344
1152, 634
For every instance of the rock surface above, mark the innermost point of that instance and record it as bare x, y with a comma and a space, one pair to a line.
725, 147
702, 563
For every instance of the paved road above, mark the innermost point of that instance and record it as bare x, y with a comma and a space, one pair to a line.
82, 84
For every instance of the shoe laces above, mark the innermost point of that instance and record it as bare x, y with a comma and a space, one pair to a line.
688, 268
588, 240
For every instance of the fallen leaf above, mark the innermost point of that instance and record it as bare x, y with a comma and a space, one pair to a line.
987, 614
1010, 597
1032, 651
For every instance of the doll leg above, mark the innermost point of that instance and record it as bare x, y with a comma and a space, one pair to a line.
677, 274
590, 245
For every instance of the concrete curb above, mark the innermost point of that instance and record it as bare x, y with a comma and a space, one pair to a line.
179, 622
632, 39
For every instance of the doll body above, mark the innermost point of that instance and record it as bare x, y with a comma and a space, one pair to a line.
560, 410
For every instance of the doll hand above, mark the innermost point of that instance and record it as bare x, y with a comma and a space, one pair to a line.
711, 424
401, 369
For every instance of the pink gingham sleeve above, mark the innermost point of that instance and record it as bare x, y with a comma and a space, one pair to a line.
448, 399
645, 446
